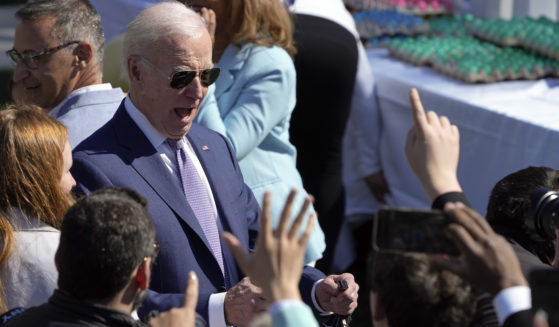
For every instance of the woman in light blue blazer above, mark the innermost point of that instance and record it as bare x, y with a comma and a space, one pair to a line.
254, 96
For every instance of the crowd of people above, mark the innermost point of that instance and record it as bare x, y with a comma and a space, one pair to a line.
196, 198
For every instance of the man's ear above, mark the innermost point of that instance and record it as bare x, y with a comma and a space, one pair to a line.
143, 274
376, 308
83, 53
134, 69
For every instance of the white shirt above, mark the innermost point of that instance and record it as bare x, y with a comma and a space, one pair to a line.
81, 90
512, 300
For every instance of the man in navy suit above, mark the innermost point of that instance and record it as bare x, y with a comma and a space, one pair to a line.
151, 146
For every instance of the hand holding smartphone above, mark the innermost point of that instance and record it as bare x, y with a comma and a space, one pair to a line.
409, 230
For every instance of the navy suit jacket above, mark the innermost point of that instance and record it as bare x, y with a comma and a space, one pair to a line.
119, 154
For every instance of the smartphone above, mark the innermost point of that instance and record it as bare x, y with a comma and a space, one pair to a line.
544, 284
409, 230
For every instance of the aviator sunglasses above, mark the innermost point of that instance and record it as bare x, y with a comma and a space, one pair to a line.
180, 79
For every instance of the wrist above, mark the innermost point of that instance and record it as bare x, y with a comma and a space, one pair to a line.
285, 294
442, 186
512, 281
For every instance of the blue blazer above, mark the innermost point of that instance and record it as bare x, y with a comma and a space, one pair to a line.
119, 154
251, 105
83, 114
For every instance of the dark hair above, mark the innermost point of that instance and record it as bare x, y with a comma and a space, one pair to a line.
103, 238
509, 205
76, 20
415, 293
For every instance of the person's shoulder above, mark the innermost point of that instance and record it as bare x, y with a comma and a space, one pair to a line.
104, 94
96, 142
34, 316
528, 260
199, 132
101, 140
268, 56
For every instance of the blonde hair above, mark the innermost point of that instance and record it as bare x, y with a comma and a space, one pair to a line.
32, 166
262, 22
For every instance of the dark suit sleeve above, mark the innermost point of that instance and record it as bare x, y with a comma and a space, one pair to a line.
309, 277
519, 319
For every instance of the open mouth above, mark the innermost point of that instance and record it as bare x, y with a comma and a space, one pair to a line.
183, 112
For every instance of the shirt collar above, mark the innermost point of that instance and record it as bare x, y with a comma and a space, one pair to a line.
95, 87
154, 136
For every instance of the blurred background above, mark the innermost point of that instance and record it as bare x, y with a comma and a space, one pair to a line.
7, 30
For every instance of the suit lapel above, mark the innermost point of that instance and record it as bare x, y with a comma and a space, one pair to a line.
146, 161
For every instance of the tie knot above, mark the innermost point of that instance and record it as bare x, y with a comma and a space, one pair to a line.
176, 144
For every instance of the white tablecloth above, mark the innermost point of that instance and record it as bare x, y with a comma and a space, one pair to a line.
503, 127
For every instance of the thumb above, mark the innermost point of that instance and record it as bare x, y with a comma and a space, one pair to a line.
191, 293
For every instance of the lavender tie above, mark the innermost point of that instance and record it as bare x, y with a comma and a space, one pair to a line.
197, 196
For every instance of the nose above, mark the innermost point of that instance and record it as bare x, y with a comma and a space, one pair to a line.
21, 72
195, 89
73, 181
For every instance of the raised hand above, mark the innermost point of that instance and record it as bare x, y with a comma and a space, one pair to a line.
487, 261
277, 262
432, 149
184, 316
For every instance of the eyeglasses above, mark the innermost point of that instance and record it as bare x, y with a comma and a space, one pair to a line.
29, 59
181, 79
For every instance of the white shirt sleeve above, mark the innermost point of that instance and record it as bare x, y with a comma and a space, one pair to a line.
512, 300
216, 310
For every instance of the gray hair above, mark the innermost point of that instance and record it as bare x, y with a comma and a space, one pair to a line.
155, 22
76, 20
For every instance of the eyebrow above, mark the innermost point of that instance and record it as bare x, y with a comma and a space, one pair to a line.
177, 69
